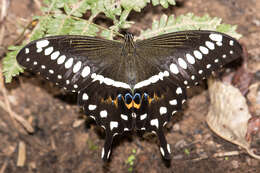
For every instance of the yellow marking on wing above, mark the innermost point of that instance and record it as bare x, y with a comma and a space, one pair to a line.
137, 106
109, 100
155, 98
130, 105
116, 102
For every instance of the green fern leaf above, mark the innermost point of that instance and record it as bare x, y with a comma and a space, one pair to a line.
10, 65
187, 22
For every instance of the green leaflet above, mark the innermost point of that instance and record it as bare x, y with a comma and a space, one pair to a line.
187, 22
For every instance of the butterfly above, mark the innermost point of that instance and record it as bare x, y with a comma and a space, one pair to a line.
132, 84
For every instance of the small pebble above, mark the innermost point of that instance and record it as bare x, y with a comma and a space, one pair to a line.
178, 157
181, 144
176, 127
198, 137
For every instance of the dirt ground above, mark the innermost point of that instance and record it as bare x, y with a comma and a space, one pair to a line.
64, 142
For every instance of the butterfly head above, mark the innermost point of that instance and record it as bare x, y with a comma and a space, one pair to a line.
128, 37
129, 45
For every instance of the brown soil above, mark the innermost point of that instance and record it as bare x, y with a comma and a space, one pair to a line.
62, 143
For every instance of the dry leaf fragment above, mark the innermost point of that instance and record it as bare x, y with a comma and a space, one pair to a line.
228, 114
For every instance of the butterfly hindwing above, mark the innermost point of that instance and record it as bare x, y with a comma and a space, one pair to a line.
103, 104
161, 104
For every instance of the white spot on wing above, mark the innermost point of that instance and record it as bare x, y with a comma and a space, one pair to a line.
121, 85
173, 102
48, 51
61, 59
143, 116
197, 54
85, 72
204, 50
231, 43
103, 114
92, 117
219, 43
77, 67
108, 154
84, 96
208, 66
68, 63
190, 58
178, 90
126, 129
51, 71
154, 79
39, 50
43, 66
142, 84
113, 124
27, 50
162, 151
168, 148
55, 55
102, 153
163, 110
210, 45
98, 77
42, 43
59, 76
108, 81
174, 68
124, 117
92, 107
216, 37
182, 63
155, 122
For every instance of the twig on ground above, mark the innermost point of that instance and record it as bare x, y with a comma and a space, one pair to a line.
5, 5
221, 154
38, 4
7, 107
2, 170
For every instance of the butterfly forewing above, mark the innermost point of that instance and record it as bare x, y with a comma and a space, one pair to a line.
69, 61
189, 56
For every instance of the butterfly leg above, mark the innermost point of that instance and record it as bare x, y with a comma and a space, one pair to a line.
164, 146
107, 146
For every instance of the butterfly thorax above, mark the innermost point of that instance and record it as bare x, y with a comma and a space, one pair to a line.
129, 57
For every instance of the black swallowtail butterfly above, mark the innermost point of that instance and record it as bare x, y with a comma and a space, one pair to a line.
131, 85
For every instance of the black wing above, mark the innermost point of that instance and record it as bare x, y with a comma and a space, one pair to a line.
72, 62
189, 56
179, 60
